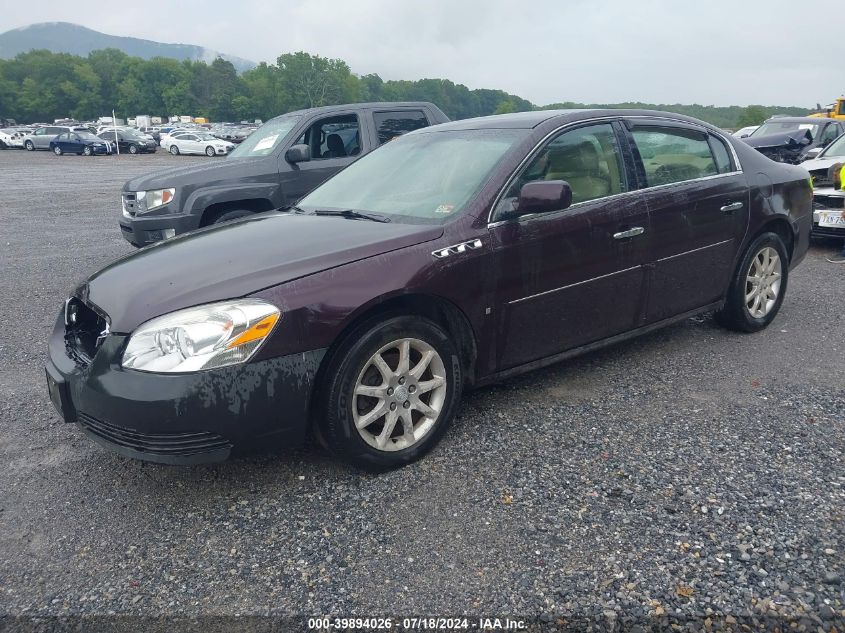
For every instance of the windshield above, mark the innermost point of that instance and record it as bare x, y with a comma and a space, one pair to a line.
837, 148
782, 127
423, 177
266, 138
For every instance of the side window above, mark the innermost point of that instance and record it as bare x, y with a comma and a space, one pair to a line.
333, 137
389, 125
588, 158
830, 133
721, 155
672, 155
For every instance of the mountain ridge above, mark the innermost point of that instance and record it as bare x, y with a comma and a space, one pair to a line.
66, 37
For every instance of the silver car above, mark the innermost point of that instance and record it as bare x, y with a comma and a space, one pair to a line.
40, 138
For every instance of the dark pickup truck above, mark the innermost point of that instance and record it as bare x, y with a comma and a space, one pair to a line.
274, 167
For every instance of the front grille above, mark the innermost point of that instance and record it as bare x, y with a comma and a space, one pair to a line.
828, 202
170, 444
85, 331
820, 178
130, 203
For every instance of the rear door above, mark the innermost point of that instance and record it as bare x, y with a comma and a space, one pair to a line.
698, 201
574, 276
335, 141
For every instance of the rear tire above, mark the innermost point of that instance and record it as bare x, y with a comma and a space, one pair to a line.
57, 150
174, 150
209, 151
412, 402
30, 147
758, 286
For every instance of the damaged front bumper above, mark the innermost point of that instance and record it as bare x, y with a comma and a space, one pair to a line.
180, 418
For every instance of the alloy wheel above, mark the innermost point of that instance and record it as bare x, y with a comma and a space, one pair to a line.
57, 151
762, 283
399, 394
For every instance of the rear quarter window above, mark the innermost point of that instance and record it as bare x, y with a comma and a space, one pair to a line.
394, 123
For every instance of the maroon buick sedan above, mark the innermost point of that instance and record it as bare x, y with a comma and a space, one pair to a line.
454, 256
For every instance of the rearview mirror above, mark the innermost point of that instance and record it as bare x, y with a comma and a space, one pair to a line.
298, 153
543, 196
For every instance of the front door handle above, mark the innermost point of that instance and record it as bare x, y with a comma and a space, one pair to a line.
731, 207
632, 232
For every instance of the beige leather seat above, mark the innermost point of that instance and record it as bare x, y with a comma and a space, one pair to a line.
579, 166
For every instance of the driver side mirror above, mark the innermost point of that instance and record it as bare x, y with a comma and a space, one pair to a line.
543, 196
298, 153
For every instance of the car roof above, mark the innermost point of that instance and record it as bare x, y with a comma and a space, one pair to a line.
797, 119
528, 120
373, 105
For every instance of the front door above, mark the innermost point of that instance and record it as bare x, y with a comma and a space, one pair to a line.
574, 276
698, 202
335, 142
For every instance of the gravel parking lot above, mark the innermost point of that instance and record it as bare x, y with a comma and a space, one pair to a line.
691, 474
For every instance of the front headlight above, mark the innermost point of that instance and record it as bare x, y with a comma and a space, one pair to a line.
149, 200
205, 337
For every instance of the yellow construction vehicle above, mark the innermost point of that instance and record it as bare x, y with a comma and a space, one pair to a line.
833, 111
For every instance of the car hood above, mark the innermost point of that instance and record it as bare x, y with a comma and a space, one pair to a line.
229, 261
220, 172
794, 139
823, 163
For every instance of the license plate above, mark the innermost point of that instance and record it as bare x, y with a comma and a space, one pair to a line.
831, 218
60, 396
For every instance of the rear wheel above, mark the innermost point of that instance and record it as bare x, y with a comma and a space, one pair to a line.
57, 150
133, 149
390, 392
29, 146
209, 151
87, 150
758, 287
174, 150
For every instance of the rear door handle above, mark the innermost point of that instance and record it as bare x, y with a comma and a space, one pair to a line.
632, 232
731, 207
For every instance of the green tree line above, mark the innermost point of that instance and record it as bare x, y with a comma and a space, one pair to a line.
44, 86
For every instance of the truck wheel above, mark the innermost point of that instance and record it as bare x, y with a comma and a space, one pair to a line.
232, 215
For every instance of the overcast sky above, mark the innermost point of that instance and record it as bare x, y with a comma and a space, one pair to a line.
597, 51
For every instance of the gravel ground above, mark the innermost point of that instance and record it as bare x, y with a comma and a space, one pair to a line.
693, 475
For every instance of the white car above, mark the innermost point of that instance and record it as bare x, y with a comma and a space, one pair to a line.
745, 131
828, 202
11, 138
196, 143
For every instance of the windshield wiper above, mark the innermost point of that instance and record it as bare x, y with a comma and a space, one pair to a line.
352, 214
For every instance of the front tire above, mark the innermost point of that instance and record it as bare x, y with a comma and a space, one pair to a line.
87, 151
758, 287
229, 216
390, 392
57, 150
174, 150
133, 149
209, 151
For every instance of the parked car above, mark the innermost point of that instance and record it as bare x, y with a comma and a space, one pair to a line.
828, 200
79, 143
197, 143
130, 142
41, 137
792, 139
266, 171
11, 138
152, 131
453, 256
745, 131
